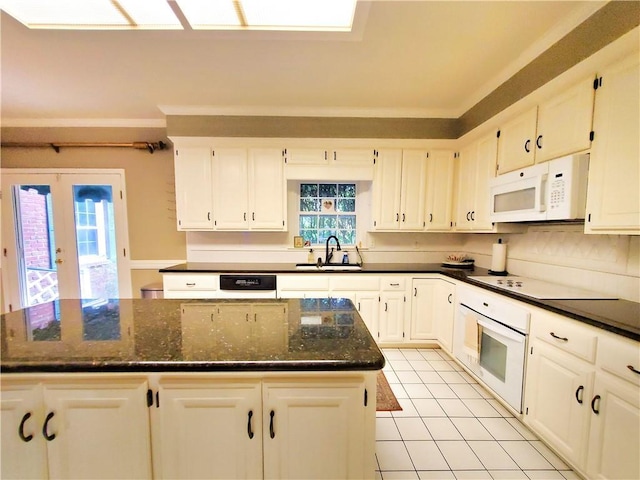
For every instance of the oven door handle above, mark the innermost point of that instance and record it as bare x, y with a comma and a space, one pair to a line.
504, 331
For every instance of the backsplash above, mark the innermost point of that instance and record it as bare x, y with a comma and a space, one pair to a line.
563, 254
556, 253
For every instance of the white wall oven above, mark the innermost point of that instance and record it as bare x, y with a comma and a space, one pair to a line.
490, 339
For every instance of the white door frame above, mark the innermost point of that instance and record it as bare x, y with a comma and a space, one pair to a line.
10, 281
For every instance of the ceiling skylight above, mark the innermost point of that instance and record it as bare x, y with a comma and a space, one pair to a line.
310, 15
332, 15
92, 14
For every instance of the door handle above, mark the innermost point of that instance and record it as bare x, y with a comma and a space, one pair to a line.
579, 394
450, 297
58, 261
48, 437
630, 367
527, 145
272, 432
539, 142
564, 339
249, 430
593, 405
23, 437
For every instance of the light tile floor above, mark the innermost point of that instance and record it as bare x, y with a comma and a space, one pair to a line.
452, 428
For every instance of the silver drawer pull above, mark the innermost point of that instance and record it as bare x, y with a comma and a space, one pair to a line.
630, 367
564, 339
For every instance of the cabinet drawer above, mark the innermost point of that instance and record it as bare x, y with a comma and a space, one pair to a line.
355, 282
303, 282
617, 354
567, 335
191, 281
392, 284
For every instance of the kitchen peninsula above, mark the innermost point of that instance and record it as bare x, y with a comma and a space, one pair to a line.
188, 389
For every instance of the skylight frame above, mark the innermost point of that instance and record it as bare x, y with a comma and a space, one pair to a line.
265, 15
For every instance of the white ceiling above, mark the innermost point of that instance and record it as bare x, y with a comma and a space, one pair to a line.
406, 58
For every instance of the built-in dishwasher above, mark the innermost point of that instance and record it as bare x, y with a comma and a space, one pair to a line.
247, 286
490, 339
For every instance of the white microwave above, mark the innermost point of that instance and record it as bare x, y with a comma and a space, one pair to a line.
554, 190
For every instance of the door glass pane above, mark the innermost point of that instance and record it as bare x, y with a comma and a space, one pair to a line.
96, 242
37, 268
493, 356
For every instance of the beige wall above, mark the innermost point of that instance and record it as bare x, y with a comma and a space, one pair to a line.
149, 183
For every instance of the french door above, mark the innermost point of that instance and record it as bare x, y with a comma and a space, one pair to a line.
64, 235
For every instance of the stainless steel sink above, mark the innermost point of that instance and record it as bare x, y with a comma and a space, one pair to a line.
332, 267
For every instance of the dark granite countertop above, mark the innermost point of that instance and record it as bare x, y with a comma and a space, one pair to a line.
143, 335
618, 316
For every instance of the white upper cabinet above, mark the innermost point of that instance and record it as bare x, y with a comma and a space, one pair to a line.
613, 201
439, 201
565, 121
267, 190
477, 163
233, 189
230, 189
324, 156
399, 190
387, 184
194, 195
516, 142
556, 127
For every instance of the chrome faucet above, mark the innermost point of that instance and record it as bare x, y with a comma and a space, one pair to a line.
328, 255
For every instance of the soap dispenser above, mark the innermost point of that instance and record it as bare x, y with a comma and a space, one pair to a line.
310, 258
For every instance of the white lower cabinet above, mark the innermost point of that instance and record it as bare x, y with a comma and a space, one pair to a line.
209, 429
265, 428
75, 429
393, 309
583, 396
432, 311
314, 430
557, 407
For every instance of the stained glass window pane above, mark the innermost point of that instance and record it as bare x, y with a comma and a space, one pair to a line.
346, 205
309, 190
328, 190
347, 190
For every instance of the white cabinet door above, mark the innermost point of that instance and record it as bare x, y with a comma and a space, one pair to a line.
516, 144
387, 184
439, 192
314, 429
423, 306
559, 388
614, 441
564, 122
476, 166
613, 203
210, 430
444, 315
432, 310
467, 161
485, 171
98, 429
368, 305
267, 192
231, 190
392, 316
194, 194
413, 189
24, 449
353, 156
307, 156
